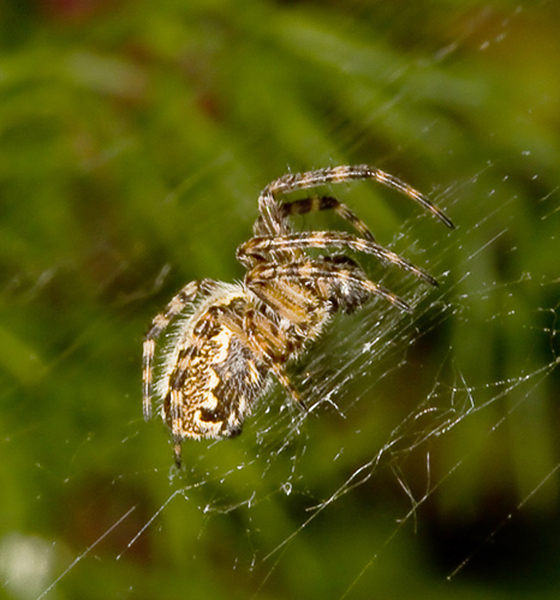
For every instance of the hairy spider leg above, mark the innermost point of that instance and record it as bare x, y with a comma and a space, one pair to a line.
298, 277
174, 403
160, 322
276, 363
296, 181
311, 271
319, 203
284, 380
257, 249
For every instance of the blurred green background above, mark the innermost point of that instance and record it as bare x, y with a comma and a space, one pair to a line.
134, 139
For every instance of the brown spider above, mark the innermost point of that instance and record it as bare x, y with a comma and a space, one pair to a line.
233, 337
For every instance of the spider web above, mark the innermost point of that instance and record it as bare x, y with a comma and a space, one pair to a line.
260, 504
344, 377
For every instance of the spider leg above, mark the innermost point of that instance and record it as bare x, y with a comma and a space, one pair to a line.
314, 272
284, 380
160, 322
263, 337
258, 249
177, 455
173, 408
318, 203
271, 215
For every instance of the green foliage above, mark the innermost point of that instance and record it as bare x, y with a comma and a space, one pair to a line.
134, 139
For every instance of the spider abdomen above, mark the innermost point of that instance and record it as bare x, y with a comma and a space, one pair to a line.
212, 378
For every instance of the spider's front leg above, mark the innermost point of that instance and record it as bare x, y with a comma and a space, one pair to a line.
272, 222
259, 250
313, 204
338, 280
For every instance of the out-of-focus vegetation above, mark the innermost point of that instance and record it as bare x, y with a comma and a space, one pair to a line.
134, 139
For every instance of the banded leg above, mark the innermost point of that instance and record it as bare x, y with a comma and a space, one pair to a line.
285, 382
319, 203
312, 272
262, 340
174, 401
271, 216
259, 249
160, 322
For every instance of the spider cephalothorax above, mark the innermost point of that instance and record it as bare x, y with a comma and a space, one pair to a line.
231, 338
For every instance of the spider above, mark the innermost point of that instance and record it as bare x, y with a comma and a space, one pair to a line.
232, 338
